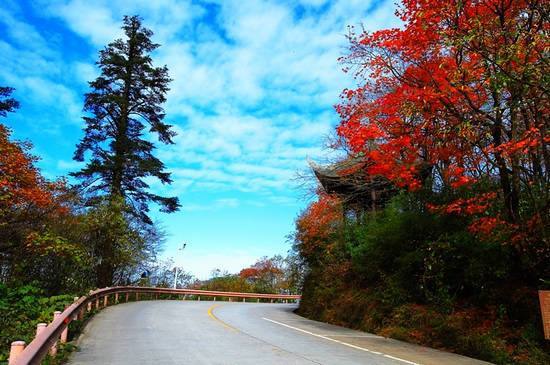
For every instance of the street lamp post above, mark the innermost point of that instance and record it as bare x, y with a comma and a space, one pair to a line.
176, 273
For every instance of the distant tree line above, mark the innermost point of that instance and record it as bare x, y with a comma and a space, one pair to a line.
278, 275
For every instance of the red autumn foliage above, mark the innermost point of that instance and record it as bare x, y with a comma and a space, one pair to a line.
262, 268
456, 94
20, 182
317, 223
249, 273
29, 204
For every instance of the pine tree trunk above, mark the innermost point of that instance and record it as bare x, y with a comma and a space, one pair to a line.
105, 274
105, 268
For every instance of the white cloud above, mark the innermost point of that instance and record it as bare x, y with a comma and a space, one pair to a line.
21, 32
93, 20
227, 202
52, 93
85, 72
253, 86
69, 165
244, 153
100, 20
39, 80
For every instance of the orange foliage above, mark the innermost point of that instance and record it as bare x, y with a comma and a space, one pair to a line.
20, 182
263, 269
249, 273
318, 222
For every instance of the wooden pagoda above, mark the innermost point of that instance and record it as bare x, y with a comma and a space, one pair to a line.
350, 182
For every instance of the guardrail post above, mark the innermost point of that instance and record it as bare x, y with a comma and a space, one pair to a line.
75, 299
116, 298
271, 300
97, 303
53, 349
198, 298
17, 348
214, 298
184, 296
127, 295
156, 296
244, 300
64, 335
258, 300
40, 327
105, 300
137, 296
89, 306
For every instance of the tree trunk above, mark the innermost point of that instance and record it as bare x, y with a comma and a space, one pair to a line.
504, 173
105, 273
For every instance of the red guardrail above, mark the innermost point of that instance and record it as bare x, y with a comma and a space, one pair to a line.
47, 336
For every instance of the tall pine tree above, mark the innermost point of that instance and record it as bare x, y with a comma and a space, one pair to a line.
126, 99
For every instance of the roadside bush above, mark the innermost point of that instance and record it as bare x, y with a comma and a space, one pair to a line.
21, 309
407, 273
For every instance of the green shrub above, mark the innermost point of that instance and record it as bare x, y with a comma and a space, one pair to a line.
21, 309
411, 274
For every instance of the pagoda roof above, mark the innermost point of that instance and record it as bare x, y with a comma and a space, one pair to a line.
349, 180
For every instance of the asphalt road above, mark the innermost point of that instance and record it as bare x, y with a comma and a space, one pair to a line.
190, 332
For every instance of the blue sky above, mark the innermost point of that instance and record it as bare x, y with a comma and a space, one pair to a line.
253, 93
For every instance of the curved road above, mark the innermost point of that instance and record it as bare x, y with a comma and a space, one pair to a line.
191, 332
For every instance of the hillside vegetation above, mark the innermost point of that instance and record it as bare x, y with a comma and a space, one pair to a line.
450, 120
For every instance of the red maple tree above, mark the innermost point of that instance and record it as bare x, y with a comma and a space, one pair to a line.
21, 184
316, 225
250, 273
457, 100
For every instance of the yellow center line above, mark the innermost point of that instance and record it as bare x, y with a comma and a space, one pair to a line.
213, 316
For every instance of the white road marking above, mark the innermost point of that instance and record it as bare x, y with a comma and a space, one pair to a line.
341, 342
354, 336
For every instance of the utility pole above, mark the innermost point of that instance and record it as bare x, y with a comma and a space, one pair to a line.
176, 268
